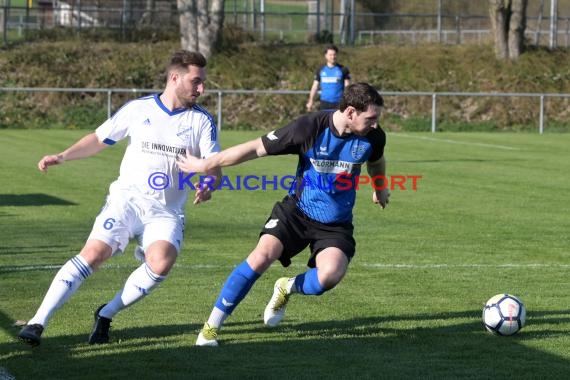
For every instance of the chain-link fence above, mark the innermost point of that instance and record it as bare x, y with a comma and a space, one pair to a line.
339, 21
267, 109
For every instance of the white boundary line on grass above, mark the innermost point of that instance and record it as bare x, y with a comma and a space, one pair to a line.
12, 269
495, 146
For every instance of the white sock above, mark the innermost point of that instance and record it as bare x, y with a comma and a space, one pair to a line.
66, 281
291, 286
137, 286
217, 318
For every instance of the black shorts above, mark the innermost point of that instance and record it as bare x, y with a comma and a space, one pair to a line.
327, 105
296, 231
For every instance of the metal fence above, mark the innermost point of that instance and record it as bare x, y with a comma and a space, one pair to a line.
344, 21
218, 95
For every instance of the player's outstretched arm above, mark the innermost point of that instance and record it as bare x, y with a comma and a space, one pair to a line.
204, 191
49, 160
378, 168
85, 147
228, 157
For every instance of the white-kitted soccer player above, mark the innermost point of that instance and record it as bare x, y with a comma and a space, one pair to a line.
147, 200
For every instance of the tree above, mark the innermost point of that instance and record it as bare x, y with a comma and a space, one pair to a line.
508, 22
148, 15
201, 24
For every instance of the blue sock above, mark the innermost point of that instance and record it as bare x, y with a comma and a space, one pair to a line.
308, 283
237, 285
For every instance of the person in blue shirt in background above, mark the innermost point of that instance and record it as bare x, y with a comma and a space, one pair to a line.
332, 78
317, 212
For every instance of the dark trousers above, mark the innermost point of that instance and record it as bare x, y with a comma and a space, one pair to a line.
327, 106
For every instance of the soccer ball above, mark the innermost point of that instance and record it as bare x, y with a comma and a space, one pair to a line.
504, 314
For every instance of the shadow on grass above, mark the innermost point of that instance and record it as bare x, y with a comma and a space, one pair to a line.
36, 199
355, 348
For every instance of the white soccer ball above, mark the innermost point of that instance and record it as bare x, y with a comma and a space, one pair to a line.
504, 314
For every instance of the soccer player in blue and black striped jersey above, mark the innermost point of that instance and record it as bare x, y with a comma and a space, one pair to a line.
317, 211
332, 78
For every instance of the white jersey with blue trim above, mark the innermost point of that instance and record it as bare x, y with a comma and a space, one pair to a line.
157, 136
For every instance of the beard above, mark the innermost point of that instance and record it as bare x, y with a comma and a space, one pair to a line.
187, 101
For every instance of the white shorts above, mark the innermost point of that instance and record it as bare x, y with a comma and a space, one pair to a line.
127, 215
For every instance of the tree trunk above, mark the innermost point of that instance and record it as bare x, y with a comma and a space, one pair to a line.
2, 31
517, 27
200, 25
508, 23
148, 15
499, 16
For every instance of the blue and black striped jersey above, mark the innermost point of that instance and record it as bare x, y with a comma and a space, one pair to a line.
332, 80
323, 157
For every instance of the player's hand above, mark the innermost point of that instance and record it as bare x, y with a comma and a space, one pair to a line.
54, 159
203, 193
381, 197
309, 105
189, 163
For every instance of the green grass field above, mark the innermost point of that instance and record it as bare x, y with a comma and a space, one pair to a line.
490, 215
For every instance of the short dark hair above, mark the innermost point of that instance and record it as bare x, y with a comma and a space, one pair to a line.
181, 59
331, 47
360, 95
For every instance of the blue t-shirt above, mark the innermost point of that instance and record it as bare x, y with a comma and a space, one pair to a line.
327, 162
332, 80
